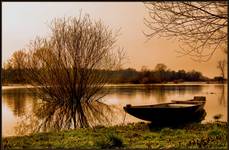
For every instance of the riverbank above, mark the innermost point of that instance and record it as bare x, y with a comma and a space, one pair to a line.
18, 85
135, 135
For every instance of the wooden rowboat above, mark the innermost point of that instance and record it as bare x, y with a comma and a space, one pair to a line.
196, 99
168, 113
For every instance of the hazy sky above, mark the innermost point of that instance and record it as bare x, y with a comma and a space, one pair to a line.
23, 21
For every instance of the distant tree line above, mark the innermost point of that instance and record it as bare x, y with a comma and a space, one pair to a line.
160, 74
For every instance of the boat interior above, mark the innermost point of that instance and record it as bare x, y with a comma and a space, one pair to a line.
167, 105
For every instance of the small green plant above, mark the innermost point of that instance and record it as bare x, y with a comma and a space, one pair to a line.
166, 131
215, 132
179, 132
111, 140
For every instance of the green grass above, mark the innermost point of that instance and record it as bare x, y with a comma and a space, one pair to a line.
138, 135
109, 140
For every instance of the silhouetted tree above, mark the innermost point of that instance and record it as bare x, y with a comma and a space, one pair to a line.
221, 66
69, 66
160, 67
18, 59
15, 66
200, 26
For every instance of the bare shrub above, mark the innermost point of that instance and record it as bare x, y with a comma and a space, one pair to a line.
70, 66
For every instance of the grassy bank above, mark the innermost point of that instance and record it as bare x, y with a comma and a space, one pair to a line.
139, 135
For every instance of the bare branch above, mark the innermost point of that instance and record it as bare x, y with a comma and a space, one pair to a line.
201, 27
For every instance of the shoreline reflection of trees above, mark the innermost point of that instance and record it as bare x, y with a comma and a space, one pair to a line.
49, 116
222, 96
55, 117
16, 100
160, 92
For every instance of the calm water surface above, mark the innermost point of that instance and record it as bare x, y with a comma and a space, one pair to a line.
18, 102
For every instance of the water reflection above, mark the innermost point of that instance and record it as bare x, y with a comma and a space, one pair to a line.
22, 108
16, 100
55, 117
222, 96
159, 92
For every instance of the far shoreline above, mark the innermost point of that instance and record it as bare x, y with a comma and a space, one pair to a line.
21, 85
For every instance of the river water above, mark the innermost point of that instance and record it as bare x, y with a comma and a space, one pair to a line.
18, 101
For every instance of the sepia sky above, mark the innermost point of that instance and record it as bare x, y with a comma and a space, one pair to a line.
23, 21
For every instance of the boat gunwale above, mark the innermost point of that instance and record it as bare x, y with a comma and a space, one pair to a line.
164, 105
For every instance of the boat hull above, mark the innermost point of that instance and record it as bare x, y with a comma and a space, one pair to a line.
169, 113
